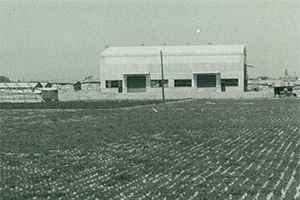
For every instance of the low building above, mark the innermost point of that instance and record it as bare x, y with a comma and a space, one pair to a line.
263, 78
63, 85
193, 69
90, 84
261, 83
19, 92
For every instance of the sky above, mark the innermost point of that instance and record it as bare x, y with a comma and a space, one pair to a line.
63, 39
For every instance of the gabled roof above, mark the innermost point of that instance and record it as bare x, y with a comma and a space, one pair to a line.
174, 50
46, 84
36, 84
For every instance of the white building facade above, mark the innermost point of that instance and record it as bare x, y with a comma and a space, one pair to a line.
188, 70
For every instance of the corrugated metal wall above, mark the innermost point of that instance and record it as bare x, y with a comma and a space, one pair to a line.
175, 67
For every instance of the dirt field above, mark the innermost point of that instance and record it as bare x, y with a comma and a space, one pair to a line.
197, 149
80, 104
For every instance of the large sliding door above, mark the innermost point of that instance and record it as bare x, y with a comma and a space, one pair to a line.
136, 83
206, 80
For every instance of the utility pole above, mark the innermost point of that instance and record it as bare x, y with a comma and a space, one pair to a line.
162, 76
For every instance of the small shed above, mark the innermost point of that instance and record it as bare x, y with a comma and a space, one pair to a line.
77, 86
49, 94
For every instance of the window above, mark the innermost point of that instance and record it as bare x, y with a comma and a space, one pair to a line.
183, 83
158, 83
113, 84
231, 82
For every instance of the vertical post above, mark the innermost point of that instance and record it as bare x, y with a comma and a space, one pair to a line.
12, 93
162, 76
22, 92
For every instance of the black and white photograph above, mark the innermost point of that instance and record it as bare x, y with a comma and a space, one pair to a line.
149, 99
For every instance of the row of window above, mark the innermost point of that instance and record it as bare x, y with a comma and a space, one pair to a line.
118, 83
158, 83
230, 82
180, 83
113, 84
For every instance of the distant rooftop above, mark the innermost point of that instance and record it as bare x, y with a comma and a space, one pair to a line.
263, 77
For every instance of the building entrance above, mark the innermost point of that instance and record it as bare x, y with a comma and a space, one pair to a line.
136, 83
206, 80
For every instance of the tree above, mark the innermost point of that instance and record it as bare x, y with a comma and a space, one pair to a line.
4, 79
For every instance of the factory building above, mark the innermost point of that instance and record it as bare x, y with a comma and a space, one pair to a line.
188, 70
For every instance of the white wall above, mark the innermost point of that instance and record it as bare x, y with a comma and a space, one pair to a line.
175, 67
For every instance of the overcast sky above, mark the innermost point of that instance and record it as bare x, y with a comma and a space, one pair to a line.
62, 39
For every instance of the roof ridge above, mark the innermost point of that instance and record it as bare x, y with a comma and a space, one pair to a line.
174, 50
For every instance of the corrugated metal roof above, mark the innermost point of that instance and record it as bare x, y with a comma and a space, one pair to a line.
47, 89
16, 85
3, 85
174, 50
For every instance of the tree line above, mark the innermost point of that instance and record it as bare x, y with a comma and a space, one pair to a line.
4, 79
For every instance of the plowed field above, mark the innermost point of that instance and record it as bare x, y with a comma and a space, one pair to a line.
197, 149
